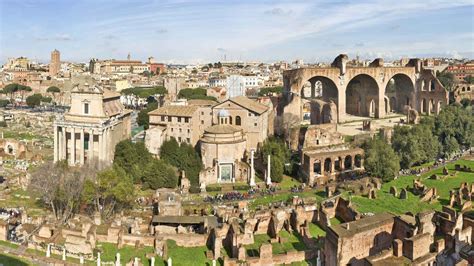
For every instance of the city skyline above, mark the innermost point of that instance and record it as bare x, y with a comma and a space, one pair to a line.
208, 31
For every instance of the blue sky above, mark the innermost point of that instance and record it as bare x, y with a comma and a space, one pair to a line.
180, 31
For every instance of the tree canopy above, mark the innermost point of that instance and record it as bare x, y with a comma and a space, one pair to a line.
380, 159
415, 145
197, 93
144, 92
184, 157
143, 119
279, 155
108, 192
34, 100
139, 164
447, 79
53, 89
270, 90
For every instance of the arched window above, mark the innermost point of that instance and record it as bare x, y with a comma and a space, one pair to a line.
238, 122
230, 120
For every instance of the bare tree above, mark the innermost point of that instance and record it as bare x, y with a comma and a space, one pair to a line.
60, 187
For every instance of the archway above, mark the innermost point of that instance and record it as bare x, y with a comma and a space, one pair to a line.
327, 165
400, 90
431, 108
238, 121
338, 163
358, 161
348, 162
319, 87
424, 106
10, 149
362, 96
317, 167
438, 107
306, 113
329, 113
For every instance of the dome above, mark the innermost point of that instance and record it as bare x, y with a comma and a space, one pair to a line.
223, 113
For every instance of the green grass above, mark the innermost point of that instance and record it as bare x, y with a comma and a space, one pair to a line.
385, 202
288, 182
335, 221
126, 253
292, 242
13, 260
316, 230
16, 199
183, 256
8, 244
21, 135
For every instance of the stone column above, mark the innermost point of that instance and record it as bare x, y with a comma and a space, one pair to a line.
322, 163
170, 262
64, 144
91, 146
352, 162
56, 143
117, 259
252, 169
333, 163
269, 176
64, 254
81, 147
101, 147
48, 251
152, 261
73, 146
98, 259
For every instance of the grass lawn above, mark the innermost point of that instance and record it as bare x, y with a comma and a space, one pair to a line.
8, 244
17, 198
335, 221
385, 202
12, 260
316, 230
288, 182
182, 256
126, 253
292, 242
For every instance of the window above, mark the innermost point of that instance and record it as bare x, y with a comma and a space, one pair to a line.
179, 119
188, 140
86, 108
180, 130
255, 124
162, 118
179, 139
186, 120
238, 121
169, 118
202, 122
230, 120
189, 131
171, 129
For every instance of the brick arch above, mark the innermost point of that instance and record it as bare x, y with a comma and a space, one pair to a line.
362, 96
403, 94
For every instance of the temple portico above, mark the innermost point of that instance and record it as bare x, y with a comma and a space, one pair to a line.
90, 131
320, 166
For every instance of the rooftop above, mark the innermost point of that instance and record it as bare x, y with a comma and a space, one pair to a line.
362, 225
249, 104
175, 110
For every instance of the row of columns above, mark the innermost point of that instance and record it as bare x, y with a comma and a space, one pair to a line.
61, 143
333, 165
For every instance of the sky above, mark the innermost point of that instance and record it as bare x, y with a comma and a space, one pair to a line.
181, 31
